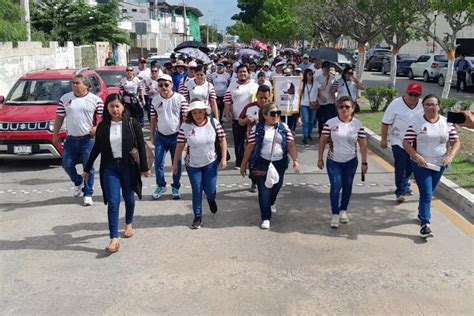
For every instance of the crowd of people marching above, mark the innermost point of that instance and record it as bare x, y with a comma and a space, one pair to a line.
187, 104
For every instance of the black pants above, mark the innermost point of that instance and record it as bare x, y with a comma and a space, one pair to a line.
325, 113
240, 134
220, 107
461, 77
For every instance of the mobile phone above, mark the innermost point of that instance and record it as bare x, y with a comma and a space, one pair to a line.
362, 177
456, 118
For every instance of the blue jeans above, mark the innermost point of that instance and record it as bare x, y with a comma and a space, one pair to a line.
163, 144
203, 179
75, 151
403, 170
341, 176
117, 176
308, 117
325, 112
266, 196
427, 180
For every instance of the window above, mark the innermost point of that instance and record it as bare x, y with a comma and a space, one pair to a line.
124, 11
134, 10
38, 91
423, 58
94, 84
441, 58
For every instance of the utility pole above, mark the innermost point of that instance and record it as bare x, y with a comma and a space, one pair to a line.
434, 31
25, 5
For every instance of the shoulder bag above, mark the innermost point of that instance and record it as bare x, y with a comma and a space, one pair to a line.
259, 171
356, 106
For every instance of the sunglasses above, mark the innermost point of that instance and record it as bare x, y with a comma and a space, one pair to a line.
346, 107
163, 85
154, 71
128, 70
350, 73
413, 94
274, 113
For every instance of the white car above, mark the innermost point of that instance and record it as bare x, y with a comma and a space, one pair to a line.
428, 66
469, 75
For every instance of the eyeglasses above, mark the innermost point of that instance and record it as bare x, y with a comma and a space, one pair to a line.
413, 95
128, 70
163, 85
274, 113
154, 71
345, 107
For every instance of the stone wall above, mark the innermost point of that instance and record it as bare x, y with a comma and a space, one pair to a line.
18, 58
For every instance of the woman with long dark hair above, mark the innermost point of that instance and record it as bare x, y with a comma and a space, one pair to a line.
116, 137
309, 98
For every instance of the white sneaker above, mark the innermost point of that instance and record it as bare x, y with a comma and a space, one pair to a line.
88, 201
343, 217
265, 224
274, 209
78, 189
335, 221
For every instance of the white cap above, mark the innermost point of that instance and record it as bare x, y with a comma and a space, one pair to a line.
166, 78
192, 64
305, 56
199, 105
281, 63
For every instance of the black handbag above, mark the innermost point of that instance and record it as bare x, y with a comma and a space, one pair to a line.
258, 172
134, 151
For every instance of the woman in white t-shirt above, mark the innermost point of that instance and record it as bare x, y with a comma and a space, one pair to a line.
431, 133
309, 98
270, 142
347, 85
202, 90
203, 134
343, 133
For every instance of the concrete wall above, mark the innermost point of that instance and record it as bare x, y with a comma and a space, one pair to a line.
18, 58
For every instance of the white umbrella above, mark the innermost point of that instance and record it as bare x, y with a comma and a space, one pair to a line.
196, 54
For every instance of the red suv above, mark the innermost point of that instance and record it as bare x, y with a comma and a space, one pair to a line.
27, 113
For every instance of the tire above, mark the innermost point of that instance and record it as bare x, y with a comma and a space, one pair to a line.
441, 80
410, 75
426, 77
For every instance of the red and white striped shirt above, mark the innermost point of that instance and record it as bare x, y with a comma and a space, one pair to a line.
201, 142
343, 138
431, 139
204, 92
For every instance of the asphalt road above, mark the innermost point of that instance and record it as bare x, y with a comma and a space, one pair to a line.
377, 79
52, 259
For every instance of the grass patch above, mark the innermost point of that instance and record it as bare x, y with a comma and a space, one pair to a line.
461, 170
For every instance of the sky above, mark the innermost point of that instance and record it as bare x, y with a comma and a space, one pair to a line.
214, 11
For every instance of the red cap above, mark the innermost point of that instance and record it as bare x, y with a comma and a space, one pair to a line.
415, 88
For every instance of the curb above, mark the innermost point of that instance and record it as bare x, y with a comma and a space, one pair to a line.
461, 200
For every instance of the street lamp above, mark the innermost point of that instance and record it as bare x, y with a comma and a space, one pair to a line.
434, 31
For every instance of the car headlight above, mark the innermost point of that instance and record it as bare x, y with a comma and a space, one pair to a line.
51, 126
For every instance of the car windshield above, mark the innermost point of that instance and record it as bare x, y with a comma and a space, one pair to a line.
31, 92
112, 78
441, 58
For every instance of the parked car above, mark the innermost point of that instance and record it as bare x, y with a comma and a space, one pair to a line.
112, 76
375, 62
27, 113
403, 64
161, 59
469, 76
428, 66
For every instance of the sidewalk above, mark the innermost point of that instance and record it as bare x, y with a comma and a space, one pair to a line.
52, 259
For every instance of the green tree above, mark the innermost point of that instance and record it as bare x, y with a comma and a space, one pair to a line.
400, 17
458, 14
76, 21
278, 20
211, 30
245, 31
11, 26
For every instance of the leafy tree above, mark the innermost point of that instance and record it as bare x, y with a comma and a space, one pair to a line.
11, 26
458, 14
245, 31
214, 35
400, 18
76, 21
278, 21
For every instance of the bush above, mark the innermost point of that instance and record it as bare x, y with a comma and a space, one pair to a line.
454, 105
379, 96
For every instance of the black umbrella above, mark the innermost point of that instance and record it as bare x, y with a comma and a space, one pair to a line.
193, 44
332, 54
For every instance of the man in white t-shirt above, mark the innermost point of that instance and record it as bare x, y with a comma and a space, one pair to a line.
84, 112
316, 67
167, 112
326, 97
399, 114
240, 93
151, 87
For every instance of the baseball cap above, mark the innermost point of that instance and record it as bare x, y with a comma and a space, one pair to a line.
166, 78
192, 64
415, 88
281, 63
305, 56
129, 68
